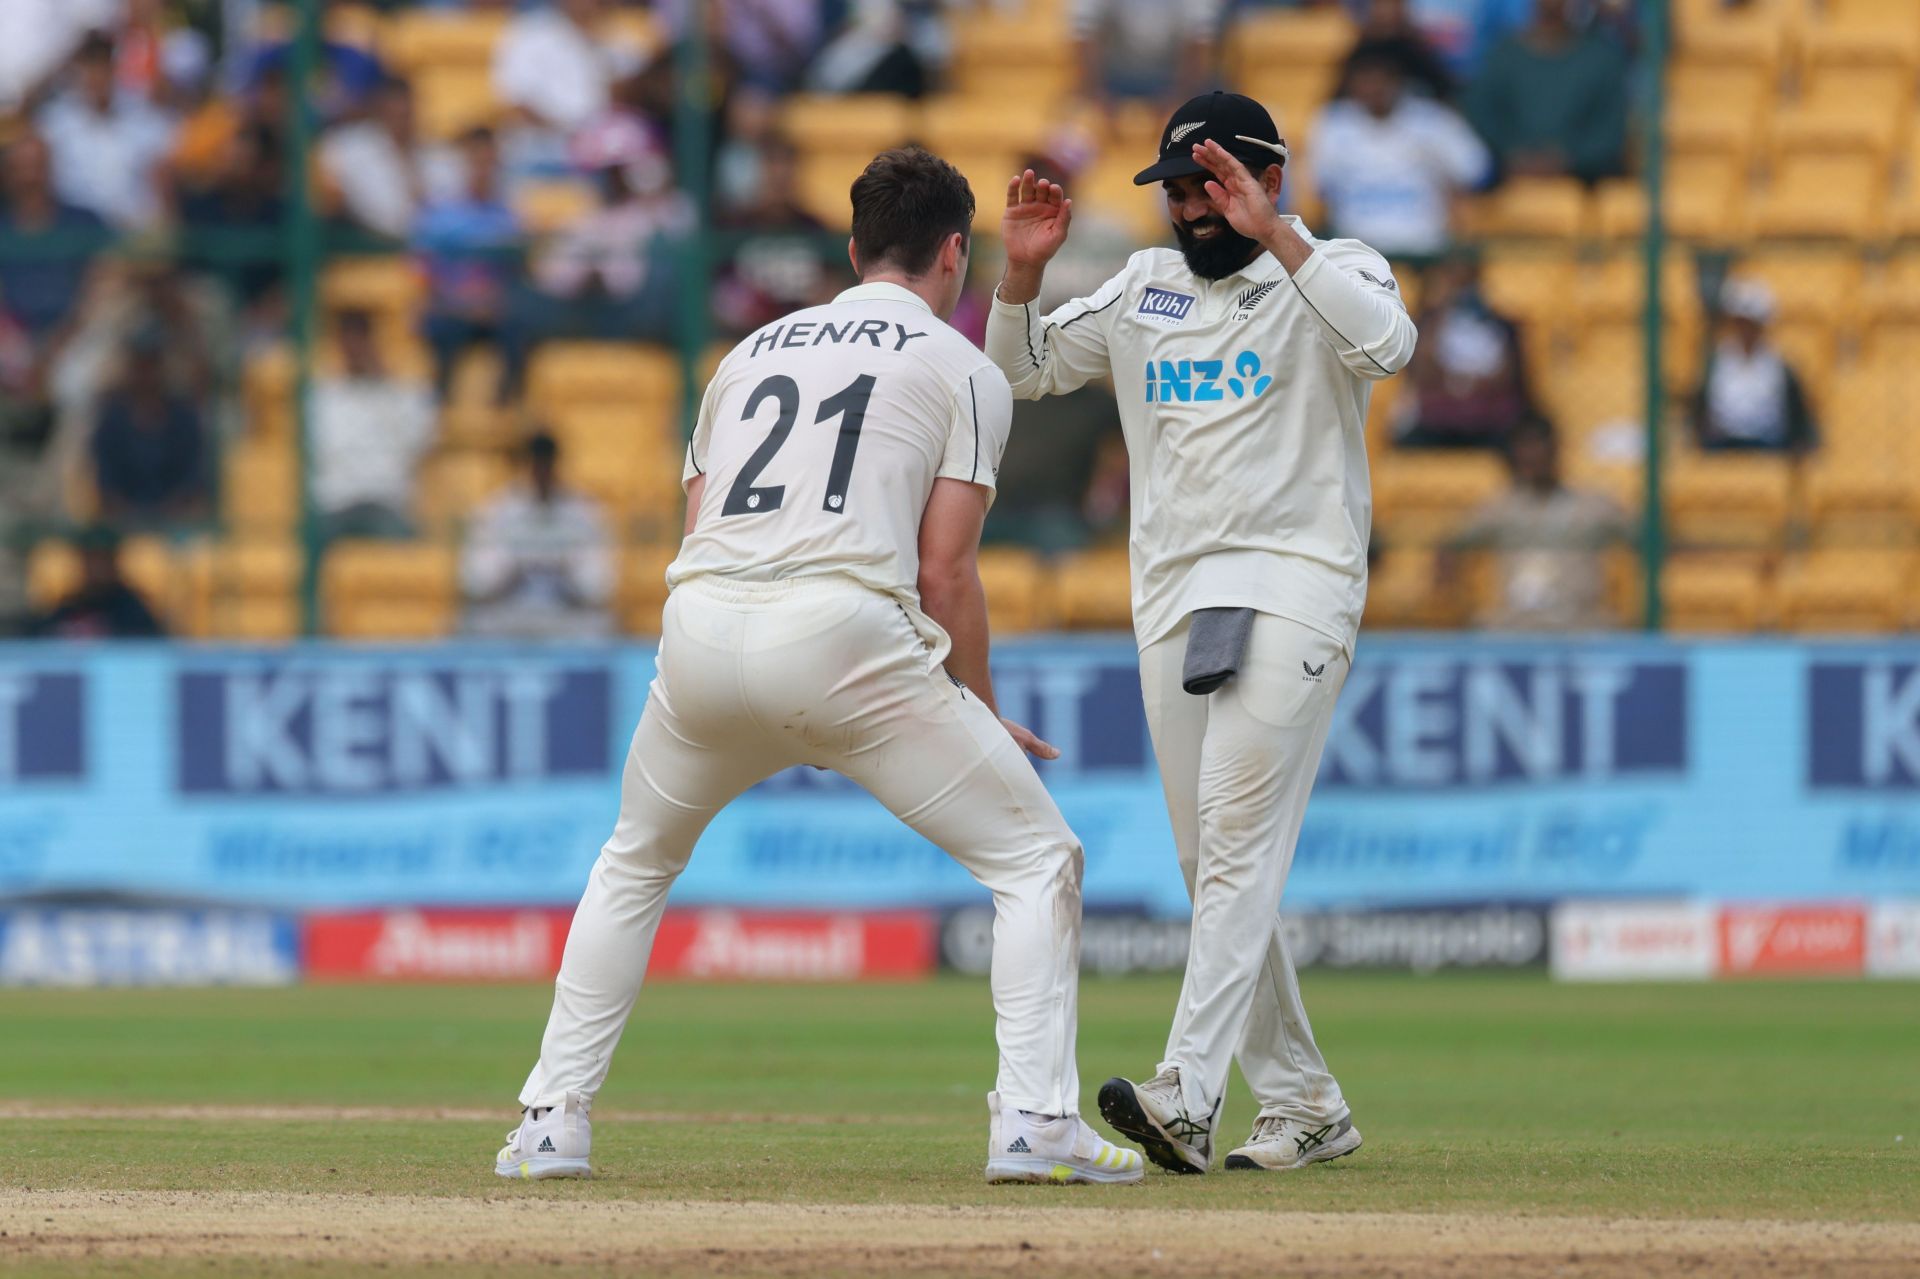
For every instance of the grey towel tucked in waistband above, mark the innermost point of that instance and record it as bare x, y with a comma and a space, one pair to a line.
1216, 643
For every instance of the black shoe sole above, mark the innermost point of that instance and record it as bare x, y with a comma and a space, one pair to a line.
1121, 1109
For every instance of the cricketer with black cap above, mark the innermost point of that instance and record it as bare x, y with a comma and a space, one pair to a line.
1242, 364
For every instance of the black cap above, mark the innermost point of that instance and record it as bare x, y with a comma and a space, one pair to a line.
1235, 121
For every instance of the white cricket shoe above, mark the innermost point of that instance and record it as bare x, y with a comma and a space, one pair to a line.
1060, 1149
1279, 1144
554, 1145
1155, 1115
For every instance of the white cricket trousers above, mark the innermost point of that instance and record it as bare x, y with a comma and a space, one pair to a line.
1237, 766
758, 677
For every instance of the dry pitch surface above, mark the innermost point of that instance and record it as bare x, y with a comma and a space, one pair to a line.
1514, 1128
103, 1231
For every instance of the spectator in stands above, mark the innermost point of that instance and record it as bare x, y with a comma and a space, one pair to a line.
1144, 48
1461, 31
785, 260
611, 274
376, 167
555, 68
370, 428
44, 271
107, 143
347, 75
1749, 396
468, 245
1549, 544
1048, 470
236, 218
1468, 375
149, 443
766, 45
1388, 163
883, 46
1387, 30
103, 605
538, 561
1552, 99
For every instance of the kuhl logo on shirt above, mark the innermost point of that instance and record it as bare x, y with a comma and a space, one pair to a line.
1166, 307
1200, 381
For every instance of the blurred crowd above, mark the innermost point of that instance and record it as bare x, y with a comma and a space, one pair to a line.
147, 152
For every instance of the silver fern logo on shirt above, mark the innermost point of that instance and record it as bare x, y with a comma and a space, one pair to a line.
1251, 298
1202, 381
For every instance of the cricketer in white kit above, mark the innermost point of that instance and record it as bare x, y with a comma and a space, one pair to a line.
1242, 364
826, 609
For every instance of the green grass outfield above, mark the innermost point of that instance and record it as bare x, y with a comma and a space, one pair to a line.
1485, 1093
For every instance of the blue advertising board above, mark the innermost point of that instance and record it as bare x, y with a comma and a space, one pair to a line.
1458, 770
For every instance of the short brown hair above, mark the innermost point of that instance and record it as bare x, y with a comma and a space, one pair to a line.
905, 205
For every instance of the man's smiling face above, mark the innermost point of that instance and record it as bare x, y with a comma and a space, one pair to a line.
1212, 248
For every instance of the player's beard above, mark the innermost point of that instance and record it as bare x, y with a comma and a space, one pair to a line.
1219, 255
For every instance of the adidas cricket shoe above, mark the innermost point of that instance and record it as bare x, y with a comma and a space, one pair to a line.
1155, 1115
1059, 1149
552, 1143
1279, 1144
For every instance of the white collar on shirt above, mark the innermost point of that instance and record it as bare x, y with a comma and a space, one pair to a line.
884, 291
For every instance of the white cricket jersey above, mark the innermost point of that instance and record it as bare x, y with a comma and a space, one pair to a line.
1244, 406
821, 435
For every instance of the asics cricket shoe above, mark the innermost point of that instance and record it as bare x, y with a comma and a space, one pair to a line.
1155, 1115
550, 1142
1279, 1144
1060, 1149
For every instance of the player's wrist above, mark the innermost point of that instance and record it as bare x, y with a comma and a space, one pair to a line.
1020, 283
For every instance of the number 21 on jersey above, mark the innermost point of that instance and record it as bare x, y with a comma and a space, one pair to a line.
849, 404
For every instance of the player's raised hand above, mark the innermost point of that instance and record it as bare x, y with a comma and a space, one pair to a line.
1028, 742
1034, 225
1240, 197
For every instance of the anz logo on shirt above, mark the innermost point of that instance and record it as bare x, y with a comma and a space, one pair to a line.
1197, 381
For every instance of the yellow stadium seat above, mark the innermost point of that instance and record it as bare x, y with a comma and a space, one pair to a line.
551, 206
617, 374
449, 100
1857, 33
1707, 198
1714, 107
1823, 194
252, 587
1422, 497
1715, 593
852, 125
1287, 38
1891, 292
1726, 499
1006, 41
1754, 34
1807, 284
1093, 590
1845, 591
1551, 207
1613, 288
953, 124
1402, 594
388, 590
259, 488
416, 40
455, 484
1017, 589
643, 587
822, 188
1845, 109
389, 284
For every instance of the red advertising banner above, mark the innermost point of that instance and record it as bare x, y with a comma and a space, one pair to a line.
703, 944
1797, 940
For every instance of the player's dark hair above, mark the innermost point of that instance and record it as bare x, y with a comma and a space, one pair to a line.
905, 205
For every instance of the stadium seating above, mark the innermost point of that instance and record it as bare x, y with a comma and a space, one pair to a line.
1093, 590
1849, 591
1717, 593
388, 590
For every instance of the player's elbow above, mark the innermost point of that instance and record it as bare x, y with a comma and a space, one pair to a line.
947, 582
1392, 352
